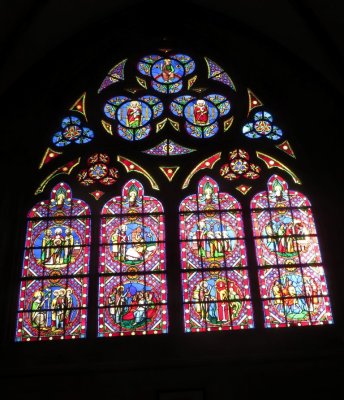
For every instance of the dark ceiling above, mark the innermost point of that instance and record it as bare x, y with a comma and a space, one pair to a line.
310, 29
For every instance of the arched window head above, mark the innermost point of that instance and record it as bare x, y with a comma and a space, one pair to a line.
215, 280
132, 282
291, 275
168, 117
54, 279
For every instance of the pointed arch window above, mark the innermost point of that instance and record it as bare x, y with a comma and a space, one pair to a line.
215, 279
54, 279
291, 274
132, 282
160, 110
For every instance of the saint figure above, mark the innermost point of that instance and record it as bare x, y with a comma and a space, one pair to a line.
134, 114
201, 113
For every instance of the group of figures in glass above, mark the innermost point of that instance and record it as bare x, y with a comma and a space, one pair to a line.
132, 243
216, 290
58, 247
53, 309
291, 286
132, 305
211, 239
217, 300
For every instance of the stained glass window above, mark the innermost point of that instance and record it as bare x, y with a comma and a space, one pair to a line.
132, 283
98, 171
166, 73
168, 148
291, 274
72, 131
133, 117
239, 165
215, 279
150, 119
262, 127
201, 115
54, 280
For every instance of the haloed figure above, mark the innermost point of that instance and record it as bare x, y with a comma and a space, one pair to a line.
39, 315
134, 114
201, 113
167, 70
